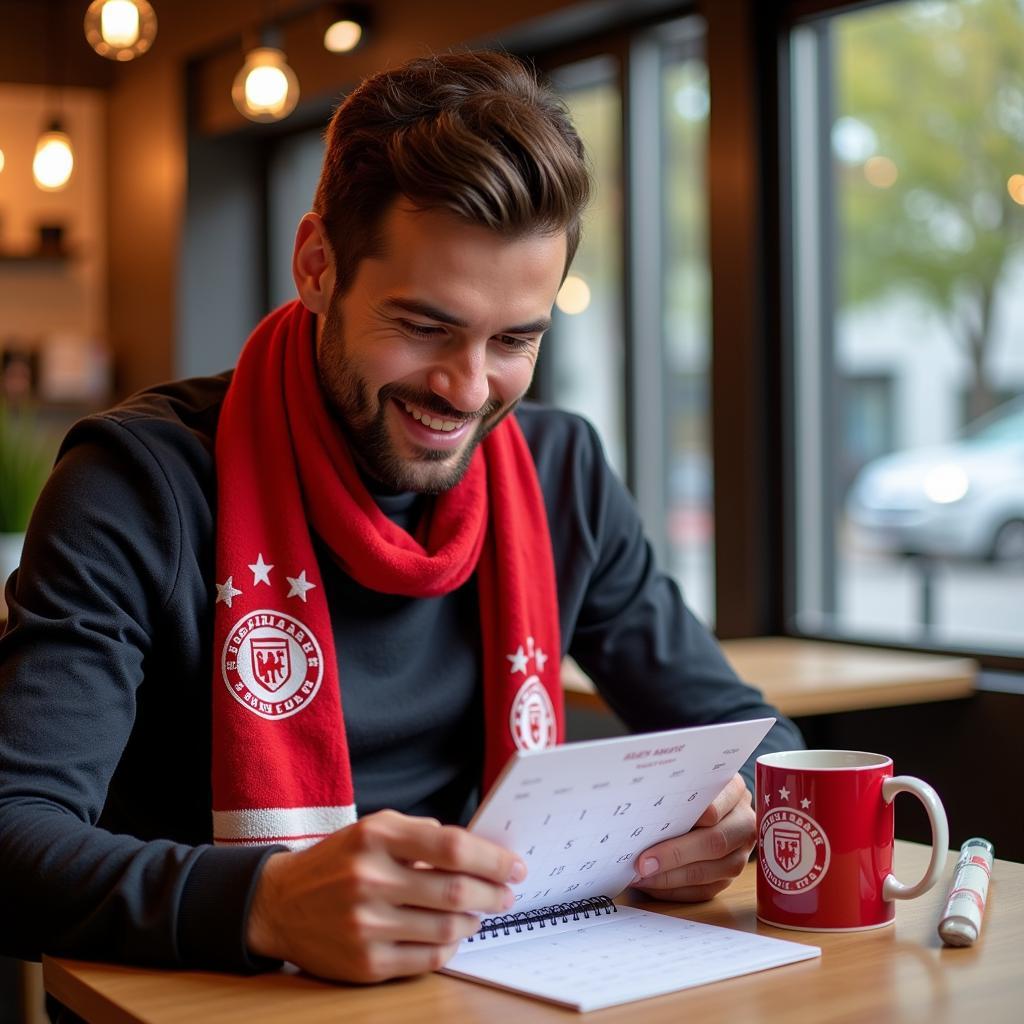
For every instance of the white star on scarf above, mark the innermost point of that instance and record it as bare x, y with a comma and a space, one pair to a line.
541, 658
299, 585
260, 571
518, 660
226, 591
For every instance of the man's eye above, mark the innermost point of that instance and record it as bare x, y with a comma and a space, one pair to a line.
515, 344
421, 330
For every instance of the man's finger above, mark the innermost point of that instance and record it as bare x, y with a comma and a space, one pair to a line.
734, 791
700, 873
451, 848
399, 959
407, 924
734, 832
451, 891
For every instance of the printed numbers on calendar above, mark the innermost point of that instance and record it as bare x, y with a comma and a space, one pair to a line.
556, 870
587, 865
569, 844
573, 887
624, 858
636, 832
621, 809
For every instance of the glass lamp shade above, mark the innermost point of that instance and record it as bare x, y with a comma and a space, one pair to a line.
265, 89
120, 29
54, 160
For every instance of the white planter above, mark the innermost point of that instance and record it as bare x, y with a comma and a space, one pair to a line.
10, 556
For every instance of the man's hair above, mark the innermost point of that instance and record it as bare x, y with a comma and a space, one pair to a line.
474, 133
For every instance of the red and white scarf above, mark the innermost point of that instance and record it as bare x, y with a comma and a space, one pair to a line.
281, 769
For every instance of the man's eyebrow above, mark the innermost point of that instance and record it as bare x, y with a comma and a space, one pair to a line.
434, 313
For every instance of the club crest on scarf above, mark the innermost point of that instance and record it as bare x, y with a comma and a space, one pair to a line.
532, 718
271, 661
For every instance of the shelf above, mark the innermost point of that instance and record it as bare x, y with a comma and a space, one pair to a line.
36, 258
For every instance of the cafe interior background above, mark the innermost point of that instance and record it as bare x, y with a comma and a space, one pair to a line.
796, 318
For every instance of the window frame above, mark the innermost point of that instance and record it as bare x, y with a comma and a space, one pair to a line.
780, 243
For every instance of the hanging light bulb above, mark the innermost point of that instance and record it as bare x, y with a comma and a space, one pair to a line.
265, 89
346, 27
343, 36
54, 159
120, 29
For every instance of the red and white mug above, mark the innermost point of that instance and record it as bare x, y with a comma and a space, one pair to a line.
825, 839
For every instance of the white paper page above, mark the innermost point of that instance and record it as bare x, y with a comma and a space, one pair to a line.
632, 954
580, 814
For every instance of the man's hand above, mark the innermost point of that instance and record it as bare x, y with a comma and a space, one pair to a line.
702, 863
388, 896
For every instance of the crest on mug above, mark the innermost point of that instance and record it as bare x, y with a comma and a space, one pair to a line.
793, 850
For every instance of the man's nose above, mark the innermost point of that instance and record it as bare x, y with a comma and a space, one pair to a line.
460, 377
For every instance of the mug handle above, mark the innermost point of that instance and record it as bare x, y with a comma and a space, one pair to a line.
892, 887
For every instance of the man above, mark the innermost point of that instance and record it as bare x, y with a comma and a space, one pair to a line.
376, 555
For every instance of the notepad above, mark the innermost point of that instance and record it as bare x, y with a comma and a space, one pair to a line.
613, 958
579, 815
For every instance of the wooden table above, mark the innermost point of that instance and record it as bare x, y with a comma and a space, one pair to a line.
810, 677
900, 973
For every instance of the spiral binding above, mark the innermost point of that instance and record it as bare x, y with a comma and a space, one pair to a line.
508, 923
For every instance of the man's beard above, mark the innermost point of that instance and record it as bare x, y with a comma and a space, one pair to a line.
367, 431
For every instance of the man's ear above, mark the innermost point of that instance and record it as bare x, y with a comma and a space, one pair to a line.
313, 264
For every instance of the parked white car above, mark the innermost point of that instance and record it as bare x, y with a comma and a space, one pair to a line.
963, 499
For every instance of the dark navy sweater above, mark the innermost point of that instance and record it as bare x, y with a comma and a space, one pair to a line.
106, 668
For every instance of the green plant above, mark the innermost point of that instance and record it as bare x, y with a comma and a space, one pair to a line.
25, 459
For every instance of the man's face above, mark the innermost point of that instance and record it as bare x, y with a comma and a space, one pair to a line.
435, 342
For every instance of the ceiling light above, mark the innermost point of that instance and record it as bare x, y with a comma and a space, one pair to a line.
120, 29
54, 159
347, 27
265, 89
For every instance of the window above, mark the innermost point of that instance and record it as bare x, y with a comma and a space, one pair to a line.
908, 267
584, 366
635, 359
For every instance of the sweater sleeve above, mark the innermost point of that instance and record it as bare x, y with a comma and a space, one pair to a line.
652, 660
99, 567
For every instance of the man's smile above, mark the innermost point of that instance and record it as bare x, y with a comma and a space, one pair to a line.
429, 420
427, 430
